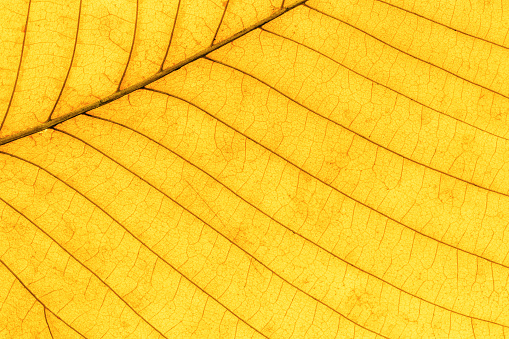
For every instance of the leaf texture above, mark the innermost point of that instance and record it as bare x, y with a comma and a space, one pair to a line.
254, 169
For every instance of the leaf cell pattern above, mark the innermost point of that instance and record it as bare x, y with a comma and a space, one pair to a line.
254, 169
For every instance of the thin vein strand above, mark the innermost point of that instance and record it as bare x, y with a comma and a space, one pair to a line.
218, 232
328, 185
410, 55
121, 225
70, 63
441, 24
29, 291
75, 258
19, 69
357, 133
287, 227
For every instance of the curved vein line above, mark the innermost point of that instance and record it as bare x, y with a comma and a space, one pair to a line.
354, 132
132, 45
47, 324
64, 322
147, 81
7, 294
410, 55
328, 185
29, 291
19, 66
220, 22
128, 231
214, 229
77, 260
385, 86
70, 64
171, 36
281, 223
441, 24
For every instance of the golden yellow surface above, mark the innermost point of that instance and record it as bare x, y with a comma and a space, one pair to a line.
254, 169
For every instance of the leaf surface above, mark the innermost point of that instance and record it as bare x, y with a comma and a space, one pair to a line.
254, 169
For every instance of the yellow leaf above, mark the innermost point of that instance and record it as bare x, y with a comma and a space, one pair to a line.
254, 169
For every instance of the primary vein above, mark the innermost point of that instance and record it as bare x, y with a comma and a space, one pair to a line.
149, 80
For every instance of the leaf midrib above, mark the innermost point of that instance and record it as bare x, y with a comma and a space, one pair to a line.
147, 81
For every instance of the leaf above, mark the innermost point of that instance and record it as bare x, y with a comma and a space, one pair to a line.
252, 168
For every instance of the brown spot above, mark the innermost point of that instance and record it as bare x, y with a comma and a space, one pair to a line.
24, 28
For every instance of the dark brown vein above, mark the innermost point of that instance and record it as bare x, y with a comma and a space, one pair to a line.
385, 86
171, 36
29, 291
277, 221
410, 55
220, 22
70, 64
347, 128
47, 324
132, 45
127, 230
328, 185
441, 24
47, 310
143, 83
212, 228
19, 67
382, 85
71, 255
